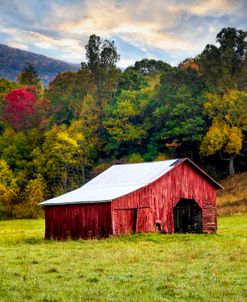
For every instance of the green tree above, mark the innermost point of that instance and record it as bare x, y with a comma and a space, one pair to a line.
66, 93
102, 57
225, 66
128, 119
131, 80
29, 76
229, 122
179, 120
150, 67
89, 125
125, 123
16, 149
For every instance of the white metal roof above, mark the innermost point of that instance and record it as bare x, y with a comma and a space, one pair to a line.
115, 182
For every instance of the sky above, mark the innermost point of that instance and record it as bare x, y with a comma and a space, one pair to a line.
169, 30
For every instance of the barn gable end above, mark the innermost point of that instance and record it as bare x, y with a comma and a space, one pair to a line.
155, 202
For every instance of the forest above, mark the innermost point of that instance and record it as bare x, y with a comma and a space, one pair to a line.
54, 139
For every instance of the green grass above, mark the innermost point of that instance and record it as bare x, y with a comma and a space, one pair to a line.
147, 267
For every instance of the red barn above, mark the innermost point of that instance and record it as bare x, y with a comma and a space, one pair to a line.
166, 196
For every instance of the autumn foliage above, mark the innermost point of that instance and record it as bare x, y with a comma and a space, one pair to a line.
21, 109
55, 139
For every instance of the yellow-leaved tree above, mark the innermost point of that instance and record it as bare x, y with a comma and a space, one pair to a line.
8, 190
229, 122
61, 159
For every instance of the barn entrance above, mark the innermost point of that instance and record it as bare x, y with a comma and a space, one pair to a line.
187, 217
126, 221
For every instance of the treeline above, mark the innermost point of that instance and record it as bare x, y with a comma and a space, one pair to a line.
53, 140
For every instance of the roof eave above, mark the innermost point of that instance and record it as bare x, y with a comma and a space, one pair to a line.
45, 204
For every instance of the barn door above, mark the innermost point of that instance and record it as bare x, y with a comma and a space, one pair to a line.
125, 221
187, 217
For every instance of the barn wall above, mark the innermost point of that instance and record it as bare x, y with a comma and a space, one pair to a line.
78, 221
155, 202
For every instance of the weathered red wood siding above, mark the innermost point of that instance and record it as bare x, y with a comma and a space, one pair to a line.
155, 202
78, 221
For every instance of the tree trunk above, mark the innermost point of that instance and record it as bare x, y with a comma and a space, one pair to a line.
231, 165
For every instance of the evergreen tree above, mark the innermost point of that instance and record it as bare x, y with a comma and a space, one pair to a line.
29, 75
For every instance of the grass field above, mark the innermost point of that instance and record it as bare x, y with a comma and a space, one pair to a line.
148, 267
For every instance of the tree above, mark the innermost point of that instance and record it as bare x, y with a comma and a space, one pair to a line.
131, 80
189, 63
16, 147
66, 93
178, 118
60, 159
6, 87
8, 190
22, 109
127, 120
135, 158
225, 66
89, 125
150, 67
229, 121
125, 123
29, 75
101, 54
102, 57
31, 196
18, 108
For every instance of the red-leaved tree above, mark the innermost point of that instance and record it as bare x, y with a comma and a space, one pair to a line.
21, 109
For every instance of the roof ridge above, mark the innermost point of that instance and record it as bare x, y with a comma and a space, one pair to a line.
147, 162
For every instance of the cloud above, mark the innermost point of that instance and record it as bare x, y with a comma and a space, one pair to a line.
169, 30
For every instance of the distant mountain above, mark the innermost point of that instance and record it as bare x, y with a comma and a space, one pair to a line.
12, 61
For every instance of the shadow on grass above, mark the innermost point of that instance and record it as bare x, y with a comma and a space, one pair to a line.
33, 240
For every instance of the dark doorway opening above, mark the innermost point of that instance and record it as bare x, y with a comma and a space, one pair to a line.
158, 226
187, 217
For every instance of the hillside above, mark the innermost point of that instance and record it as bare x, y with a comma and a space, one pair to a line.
12, 61
233, 199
